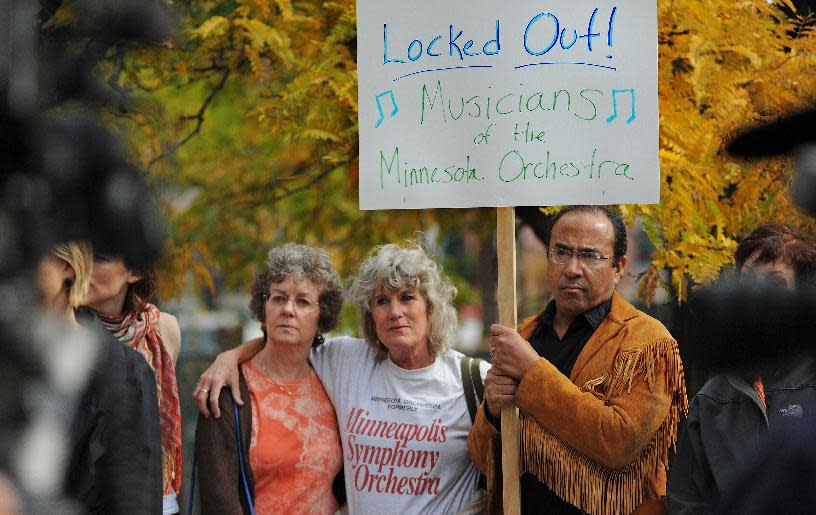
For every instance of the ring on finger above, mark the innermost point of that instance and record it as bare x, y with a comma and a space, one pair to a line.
203, 389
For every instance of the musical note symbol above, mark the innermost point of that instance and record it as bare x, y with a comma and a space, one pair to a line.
379, 106
631, 92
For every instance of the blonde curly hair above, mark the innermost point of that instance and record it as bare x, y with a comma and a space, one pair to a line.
398, 267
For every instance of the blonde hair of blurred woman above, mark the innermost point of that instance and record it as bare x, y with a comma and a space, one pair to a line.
79, 256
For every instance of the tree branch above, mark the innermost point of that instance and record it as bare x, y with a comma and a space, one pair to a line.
279, 192
199, 117
48, 8
113, 81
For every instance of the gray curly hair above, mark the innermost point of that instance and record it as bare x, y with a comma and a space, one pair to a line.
395, 268
300, 262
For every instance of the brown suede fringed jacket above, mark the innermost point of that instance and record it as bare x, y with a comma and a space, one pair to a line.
600, 438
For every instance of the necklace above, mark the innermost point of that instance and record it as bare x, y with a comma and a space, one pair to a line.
282, 388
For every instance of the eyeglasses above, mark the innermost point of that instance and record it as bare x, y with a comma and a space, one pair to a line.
301, 304
588, 258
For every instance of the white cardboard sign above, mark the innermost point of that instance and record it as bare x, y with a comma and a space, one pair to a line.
512, 103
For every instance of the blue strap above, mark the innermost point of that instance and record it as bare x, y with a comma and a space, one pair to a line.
192, 487
241, 459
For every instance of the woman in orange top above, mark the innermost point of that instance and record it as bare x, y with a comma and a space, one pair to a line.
290, 446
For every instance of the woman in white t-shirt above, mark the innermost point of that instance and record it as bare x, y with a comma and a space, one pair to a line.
398, 393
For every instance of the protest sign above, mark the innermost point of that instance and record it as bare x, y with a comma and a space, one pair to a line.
466, 104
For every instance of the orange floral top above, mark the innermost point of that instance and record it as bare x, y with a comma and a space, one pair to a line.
295, 448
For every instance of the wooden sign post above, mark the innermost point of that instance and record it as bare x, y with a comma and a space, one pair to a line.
506, 250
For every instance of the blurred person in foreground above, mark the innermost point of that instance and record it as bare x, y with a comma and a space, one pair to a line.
119, 295
290, 448
599, 384
398, 394
737, 414
10, 502
112, 467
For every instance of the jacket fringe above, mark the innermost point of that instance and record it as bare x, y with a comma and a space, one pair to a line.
586, 484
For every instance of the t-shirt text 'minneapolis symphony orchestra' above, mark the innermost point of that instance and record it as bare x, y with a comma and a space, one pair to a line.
375, 466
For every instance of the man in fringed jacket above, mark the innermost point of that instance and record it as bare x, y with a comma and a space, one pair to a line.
599, 385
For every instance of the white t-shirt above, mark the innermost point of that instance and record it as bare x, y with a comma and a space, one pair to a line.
170, 504
404, 432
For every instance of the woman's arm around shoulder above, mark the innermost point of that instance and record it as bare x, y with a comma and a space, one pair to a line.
337, 352
223, 372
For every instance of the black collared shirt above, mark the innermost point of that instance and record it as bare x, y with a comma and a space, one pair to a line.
562, 353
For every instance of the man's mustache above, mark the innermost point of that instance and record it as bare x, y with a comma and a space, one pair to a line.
579, 284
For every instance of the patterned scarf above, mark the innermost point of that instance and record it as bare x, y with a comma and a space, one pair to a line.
759, 387
140, 332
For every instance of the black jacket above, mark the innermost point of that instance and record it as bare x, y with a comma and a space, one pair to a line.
728, 433
115, 462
